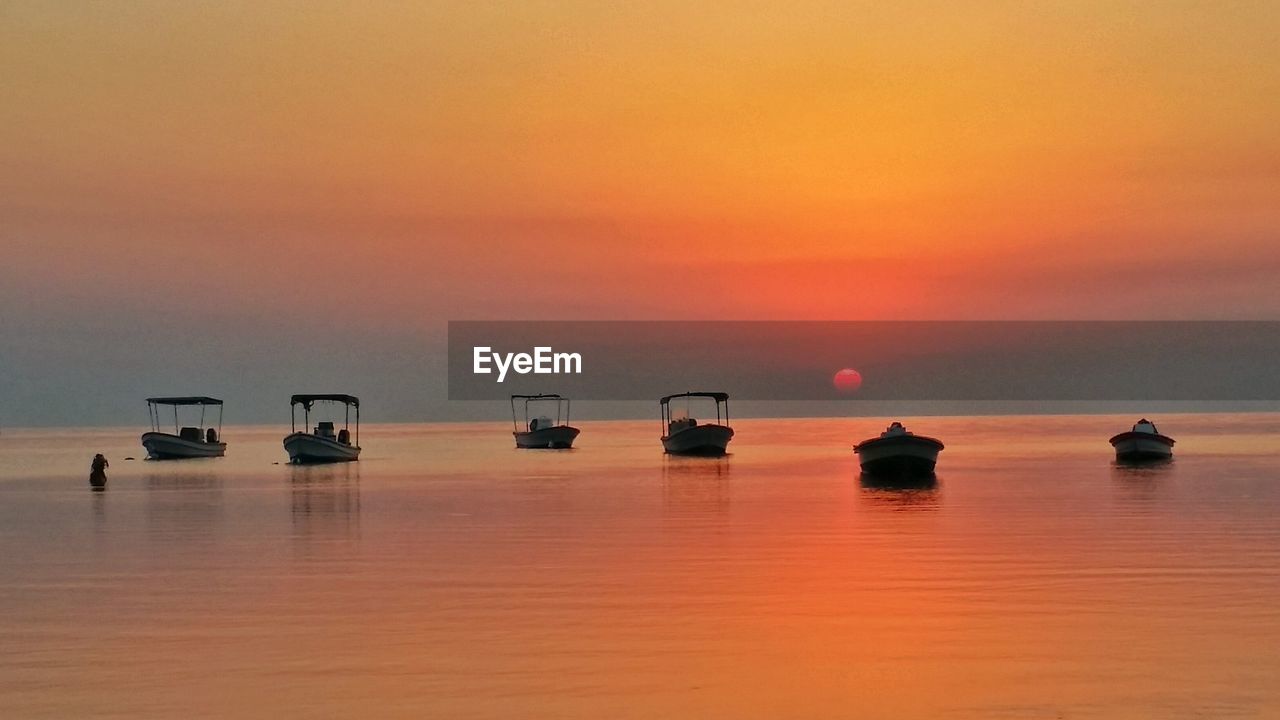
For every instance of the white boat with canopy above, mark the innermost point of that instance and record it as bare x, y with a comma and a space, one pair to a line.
322, 444
189, 441
541, 431
684, 435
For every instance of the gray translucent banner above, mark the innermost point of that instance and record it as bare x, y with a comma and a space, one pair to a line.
996, 360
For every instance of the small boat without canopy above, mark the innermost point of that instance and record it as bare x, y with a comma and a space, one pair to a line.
898, 452
1144, 442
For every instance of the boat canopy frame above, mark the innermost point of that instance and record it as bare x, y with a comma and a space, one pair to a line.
154, 403
720, 398
562, 406
309, 400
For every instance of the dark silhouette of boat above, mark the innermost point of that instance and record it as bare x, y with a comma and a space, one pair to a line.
322, 445
1143, 443
898, 452
542, 431
686, 436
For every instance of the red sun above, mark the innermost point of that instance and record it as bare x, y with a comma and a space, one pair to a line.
847, 380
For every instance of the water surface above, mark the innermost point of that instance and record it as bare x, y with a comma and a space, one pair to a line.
449, 575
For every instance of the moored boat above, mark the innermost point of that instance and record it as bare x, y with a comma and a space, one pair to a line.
184, 442
541, 431
1144, 442
322, 444
686, 436
898, 451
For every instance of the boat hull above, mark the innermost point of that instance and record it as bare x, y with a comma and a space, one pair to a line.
165, 446
305, 448
558, 437
910, 455
1141, 447
699, 440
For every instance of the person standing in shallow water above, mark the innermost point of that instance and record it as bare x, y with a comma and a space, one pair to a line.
98, 471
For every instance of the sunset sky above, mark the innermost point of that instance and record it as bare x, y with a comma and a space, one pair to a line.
254, 199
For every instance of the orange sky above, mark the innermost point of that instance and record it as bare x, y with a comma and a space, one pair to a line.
671, 160
483, 138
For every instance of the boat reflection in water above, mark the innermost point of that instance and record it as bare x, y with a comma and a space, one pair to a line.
185, 505
325, 500
903, 492
1141, 483
695, 486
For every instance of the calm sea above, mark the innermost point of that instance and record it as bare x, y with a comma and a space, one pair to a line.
448, 575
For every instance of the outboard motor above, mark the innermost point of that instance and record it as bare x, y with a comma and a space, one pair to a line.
344, 436
211, 436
